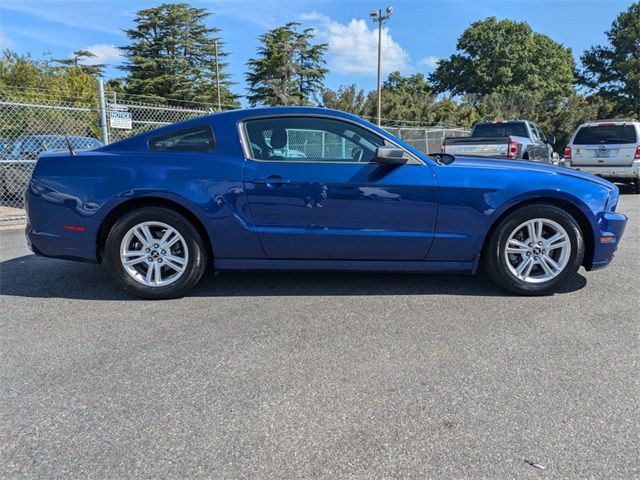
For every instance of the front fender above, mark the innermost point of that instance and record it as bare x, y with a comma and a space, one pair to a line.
473, 198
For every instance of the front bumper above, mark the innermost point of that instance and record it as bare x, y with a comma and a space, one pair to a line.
611, 226
631, 172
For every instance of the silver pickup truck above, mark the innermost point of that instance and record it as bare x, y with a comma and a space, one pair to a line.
513, 139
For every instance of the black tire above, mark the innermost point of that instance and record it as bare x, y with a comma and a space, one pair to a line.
495, 263
636, 185
195, 265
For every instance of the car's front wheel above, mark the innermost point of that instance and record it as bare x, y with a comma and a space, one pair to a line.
534, 250
155, 253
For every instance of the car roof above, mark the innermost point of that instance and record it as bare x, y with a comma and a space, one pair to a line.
498, 122
232, 117
613, 121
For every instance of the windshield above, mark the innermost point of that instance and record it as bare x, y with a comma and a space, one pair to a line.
515, 129
606, 134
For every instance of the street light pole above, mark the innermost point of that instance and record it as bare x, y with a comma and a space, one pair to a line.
379, 17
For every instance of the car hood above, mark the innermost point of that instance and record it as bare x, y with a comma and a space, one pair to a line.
527, 166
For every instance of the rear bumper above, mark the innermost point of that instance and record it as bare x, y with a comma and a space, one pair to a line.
611, 226
630, 172
46, 234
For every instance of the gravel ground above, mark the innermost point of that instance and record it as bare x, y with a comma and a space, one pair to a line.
332, 375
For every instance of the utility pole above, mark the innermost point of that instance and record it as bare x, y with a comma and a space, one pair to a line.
379, 17
103, 112
215, 46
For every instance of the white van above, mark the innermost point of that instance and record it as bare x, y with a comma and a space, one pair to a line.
607, 148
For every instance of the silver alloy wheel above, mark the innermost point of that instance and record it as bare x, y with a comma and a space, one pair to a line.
154, 254
537, 250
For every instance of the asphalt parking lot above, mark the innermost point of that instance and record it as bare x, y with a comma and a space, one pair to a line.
338, 376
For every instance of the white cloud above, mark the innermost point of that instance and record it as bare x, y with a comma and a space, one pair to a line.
353, 47
104, 53
430, 61
5, 42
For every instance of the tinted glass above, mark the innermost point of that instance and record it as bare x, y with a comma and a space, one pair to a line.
196, 139
606, 134
310, 139
516, 129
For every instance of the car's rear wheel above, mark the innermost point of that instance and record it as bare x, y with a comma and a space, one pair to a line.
155, 253
534, 250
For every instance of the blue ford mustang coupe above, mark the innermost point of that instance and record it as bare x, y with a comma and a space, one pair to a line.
297, 188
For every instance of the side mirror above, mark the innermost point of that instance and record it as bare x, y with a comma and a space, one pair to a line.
443, 158
551, 140
390, 156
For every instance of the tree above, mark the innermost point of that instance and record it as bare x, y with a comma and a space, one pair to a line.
172, 54
415, 84
614, 70
77, 61
24, 79
288, 70
506, 56
406, 100
347, 98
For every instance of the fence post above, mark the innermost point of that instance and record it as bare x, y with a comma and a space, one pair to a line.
103, 112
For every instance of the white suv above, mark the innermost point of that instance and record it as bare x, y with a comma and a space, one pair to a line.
607, 148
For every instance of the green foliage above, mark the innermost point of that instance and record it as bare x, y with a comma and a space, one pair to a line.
76, 61
347, 98
172, 54
415, 84
24, 79
614, 70
289, 69
506, 56
406, 100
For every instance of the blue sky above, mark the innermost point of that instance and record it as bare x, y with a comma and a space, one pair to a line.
418, 34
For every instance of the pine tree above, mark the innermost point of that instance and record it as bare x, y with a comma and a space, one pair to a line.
77, 59
172, 55
289, 69
614, 70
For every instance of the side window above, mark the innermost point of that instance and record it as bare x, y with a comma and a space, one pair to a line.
195, 139
310, 139
539, 133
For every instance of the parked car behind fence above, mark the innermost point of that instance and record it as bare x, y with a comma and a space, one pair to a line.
513, 139
18, 159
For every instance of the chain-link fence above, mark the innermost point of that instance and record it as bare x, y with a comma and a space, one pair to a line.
427, 139
146, 116
29, 128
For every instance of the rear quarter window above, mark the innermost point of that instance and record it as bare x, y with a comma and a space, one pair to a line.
606, 134
195, 139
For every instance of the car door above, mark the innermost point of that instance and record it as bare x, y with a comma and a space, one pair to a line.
542, 149
315, 193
